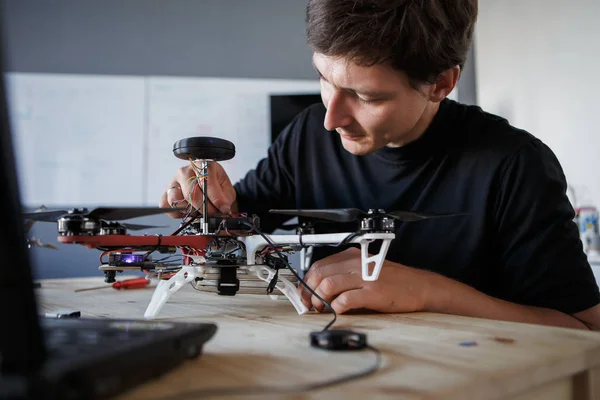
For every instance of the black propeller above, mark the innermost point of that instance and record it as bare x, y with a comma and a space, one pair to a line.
29, 223
332, 214
354, 214
45, 216
104, 213
138, 227
121, 213
409, 216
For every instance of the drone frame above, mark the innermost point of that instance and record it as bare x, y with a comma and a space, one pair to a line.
255, 244
200, 151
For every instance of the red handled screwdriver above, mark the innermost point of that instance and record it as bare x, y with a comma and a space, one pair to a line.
135, 283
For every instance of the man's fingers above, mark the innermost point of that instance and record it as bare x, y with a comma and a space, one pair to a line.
174, 194
220, 191
322, 272
172, 197
186, 190
332, 286
190, 192
225, 183
351, 300
346, 262
318, 268
164, 203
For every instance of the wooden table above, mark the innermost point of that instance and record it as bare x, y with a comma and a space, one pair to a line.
261, 341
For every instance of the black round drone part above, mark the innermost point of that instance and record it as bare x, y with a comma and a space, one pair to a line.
204, 148
338, 339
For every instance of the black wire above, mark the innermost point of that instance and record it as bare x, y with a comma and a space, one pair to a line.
287, 264
206, 392
184, 225
155, 247
348, 238
344, 241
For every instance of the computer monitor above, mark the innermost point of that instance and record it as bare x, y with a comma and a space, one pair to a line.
21, 345
284, 107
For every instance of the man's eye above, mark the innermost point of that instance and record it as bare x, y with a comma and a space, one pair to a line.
323, 80
365, 101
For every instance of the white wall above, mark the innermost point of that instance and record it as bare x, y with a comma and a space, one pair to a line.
70, 154
538, 64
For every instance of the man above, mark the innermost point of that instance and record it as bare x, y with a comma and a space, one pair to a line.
386, 137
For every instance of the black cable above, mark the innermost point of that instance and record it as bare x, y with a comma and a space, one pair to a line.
207, 392
253, 390
348, 238
184, 225
156, 247
300, 238
344, 241
287, 264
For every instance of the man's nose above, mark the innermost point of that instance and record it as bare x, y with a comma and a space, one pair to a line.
337, 114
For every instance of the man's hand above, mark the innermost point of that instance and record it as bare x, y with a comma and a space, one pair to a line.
184, 189
338, 280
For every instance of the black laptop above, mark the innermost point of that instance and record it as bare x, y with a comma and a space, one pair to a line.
70, 358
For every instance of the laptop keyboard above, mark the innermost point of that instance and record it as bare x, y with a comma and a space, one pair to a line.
70, 341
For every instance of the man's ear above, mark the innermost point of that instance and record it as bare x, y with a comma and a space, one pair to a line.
445, 83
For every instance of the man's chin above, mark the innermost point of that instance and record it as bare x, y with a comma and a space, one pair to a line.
357, 148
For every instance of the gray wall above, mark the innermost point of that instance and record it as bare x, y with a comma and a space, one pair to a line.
217, 38
467, 85
221, 38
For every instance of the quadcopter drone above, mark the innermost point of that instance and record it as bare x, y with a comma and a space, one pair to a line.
226, 254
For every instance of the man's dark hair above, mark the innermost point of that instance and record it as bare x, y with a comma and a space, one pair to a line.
420, 37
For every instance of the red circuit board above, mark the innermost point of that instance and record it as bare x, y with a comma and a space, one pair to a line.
125, 241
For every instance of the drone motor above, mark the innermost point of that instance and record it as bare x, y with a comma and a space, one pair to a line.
113, 228
77, 223
377, 221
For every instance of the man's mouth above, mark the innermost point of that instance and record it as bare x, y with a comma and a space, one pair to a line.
351, 137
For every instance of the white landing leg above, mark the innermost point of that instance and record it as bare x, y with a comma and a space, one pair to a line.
286, 287
378, 259
166, 288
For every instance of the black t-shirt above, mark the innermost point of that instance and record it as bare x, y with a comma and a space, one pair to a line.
519, 241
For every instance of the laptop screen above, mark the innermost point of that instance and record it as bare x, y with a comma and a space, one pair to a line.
21, 345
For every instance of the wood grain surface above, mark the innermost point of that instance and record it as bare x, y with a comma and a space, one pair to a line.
264, 342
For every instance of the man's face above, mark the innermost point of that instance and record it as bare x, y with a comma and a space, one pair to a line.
371, 107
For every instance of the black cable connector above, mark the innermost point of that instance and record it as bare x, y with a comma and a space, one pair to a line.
338, 339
